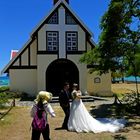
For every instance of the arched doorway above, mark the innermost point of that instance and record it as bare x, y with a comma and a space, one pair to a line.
59, 72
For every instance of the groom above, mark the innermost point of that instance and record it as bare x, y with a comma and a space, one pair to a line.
64, 98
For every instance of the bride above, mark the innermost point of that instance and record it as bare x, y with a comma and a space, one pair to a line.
81, 121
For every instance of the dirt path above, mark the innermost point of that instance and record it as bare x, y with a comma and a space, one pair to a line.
124, 88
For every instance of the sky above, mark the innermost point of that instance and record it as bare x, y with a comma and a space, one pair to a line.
18, 18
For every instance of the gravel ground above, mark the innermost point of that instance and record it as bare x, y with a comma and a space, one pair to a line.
95, 102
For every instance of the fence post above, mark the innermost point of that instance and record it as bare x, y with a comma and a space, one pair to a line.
14, 104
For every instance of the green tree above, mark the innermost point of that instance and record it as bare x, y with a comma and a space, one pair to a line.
118, 48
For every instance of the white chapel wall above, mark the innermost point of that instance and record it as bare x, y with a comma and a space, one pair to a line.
43, 63
62, 48
16, 63
82, 72
88, 46
42, 39
24, 80
33, 53
24, 58
81, 39
99, 84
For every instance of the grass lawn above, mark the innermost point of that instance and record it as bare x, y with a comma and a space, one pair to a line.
16, 125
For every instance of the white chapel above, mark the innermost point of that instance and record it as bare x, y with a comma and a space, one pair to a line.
51, 56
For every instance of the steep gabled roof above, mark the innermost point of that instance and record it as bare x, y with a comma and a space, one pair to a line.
39, 26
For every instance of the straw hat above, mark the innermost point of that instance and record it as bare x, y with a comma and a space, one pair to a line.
44, 96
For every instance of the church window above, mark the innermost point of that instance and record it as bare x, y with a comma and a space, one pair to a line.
52, 41
53, 19
71, 41
69, 19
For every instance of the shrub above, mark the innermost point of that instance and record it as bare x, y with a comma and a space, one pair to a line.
3, 99
131, 101
4, 88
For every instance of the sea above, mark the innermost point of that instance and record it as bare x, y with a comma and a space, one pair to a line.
129, 79
4, 80
132, 78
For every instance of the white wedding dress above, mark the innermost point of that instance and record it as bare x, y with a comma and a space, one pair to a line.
81, 121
